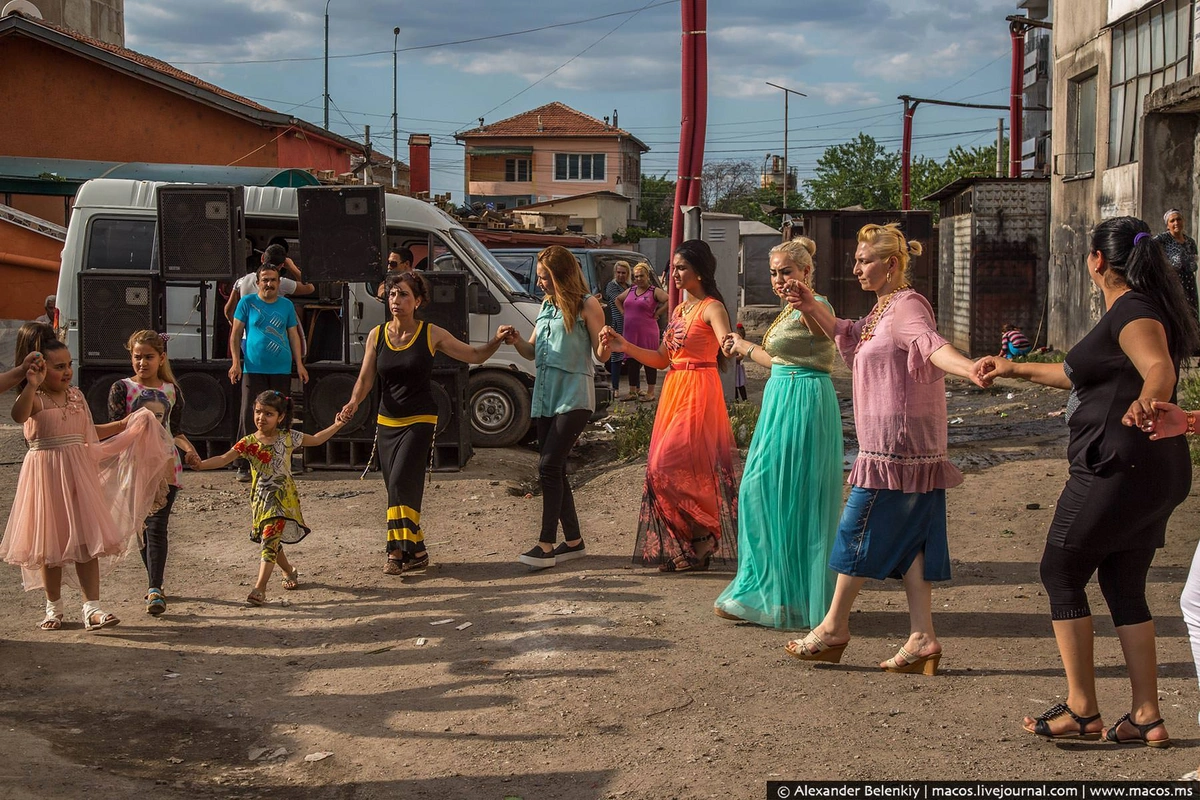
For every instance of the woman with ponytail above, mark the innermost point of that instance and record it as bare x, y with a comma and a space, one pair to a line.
1112, 514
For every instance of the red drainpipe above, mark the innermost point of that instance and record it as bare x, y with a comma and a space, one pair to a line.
1017, 100
910, 108
686, 129
418, 163
700, 98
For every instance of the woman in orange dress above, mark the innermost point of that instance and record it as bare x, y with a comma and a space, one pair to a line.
689, 503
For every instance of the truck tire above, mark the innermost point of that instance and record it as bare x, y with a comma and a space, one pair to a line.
499, 404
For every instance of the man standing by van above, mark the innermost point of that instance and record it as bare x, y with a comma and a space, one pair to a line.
272, 345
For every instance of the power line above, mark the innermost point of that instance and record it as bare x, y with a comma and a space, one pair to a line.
631, 12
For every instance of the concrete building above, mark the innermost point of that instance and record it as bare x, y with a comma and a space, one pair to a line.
1126, 107
550, 153
599, 214
993, 255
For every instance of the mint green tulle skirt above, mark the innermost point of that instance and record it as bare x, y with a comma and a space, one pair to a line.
789, 504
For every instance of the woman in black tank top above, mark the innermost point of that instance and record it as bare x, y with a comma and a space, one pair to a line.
401, 353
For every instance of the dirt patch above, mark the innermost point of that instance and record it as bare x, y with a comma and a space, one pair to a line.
591, 680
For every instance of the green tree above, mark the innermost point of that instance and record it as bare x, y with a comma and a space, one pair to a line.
929, 175
860, 172
657, 206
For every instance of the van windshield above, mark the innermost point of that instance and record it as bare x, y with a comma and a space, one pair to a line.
486, 261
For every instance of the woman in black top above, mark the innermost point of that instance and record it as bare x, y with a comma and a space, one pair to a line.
1180, 250
401, 352
1112, 514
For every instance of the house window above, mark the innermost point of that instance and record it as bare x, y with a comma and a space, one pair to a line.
1081, 122
516, 170
579, 167
1149, 51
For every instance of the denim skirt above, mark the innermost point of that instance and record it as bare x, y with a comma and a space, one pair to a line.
883, 530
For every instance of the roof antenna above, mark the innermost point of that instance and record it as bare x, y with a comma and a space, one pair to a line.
481, 122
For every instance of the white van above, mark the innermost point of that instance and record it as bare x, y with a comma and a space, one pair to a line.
113, 224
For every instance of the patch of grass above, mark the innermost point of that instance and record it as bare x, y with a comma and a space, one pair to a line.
744, 418
634, 428
1188, 392
1046, 357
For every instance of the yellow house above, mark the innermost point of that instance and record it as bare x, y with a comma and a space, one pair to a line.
548, 154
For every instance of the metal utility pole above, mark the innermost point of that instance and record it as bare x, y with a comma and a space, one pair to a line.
327, 2
999, 147
1017, 28
786, 92
395, 118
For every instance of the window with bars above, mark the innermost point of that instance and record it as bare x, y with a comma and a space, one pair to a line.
579, 167
516, 170
1149, 51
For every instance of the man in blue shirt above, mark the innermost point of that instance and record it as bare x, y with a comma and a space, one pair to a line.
272, 345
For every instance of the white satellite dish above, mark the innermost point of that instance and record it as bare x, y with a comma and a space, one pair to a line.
24, 6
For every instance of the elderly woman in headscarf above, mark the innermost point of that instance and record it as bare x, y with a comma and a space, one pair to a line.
1180, 250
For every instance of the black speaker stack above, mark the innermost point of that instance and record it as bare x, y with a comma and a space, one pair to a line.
200, 238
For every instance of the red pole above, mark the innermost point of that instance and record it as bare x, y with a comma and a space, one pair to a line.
688, 96
700, 98
1017, 99
910, 108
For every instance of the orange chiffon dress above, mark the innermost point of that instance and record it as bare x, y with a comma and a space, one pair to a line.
80, 498
690, 490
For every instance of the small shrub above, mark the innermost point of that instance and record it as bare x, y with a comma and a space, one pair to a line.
744, 418
633, 431
1044, 357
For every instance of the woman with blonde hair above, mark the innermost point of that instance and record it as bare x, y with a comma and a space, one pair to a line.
894, 522
641, 305
791, 487
566, 335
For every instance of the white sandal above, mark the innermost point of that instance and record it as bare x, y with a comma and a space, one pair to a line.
90, 609
54, 616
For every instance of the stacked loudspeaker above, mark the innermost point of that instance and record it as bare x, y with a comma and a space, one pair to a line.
199, 237
343, 233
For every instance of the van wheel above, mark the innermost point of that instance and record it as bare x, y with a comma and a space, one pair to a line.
499, 405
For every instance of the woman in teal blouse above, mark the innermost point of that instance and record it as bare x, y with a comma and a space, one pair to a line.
790, 498
565, 337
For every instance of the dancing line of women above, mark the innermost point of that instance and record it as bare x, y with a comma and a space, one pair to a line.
85, 489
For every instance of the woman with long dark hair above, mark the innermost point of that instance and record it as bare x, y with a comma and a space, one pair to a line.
689, 502
401, 353
1112, 515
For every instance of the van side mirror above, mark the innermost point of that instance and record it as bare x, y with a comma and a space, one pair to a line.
480, 300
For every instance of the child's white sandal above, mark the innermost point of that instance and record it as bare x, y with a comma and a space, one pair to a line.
90, 609
54, 616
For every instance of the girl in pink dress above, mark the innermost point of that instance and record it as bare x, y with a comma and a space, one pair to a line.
78, 499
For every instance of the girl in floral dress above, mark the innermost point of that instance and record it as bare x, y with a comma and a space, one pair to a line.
274, 502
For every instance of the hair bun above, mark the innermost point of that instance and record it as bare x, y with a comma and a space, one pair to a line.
915, 248
808, 244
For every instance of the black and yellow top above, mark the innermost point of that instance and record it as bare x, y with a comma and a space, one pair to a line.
405, 374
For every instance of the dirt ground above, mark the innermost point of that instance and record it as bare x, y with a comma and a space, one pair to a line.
596, 679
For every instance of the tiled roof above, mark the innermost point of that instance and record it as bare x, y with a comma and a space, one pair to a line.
553, 120
150, 63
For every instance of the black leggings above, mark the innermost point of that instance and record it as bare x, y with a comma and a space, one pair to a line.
557, 436
1122, 579
154, 541
633, 367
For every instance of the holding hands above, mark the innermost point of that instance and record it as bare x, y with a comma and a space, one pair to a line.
614, 341
799, 296
1160, 420
733, 344
192, 459
988, 368
506, 334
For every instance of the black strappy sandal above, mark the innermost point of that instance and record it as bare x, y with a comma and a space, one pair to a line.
1111, 734
1041, 726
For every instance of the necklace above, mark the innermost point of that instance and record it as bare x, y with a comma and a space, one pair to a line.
66, 403
876, 314
786, 314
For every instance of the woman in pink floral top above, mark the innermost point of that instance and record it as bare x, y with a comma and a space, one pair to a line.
894, 522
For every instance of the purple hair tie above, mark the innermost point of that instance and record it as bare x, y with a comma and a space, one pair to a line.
1137, 239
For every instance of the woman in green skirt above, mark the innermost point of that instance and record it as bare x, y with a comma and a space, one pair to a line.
791, 492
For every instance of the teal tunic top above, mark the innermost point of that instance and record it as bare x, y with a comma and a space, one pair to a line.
563, 379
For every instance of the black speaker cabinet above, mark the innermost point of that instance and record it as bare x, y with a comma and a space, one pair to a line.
211, 405
342, 232
201, 232
96, 383
447, 308
452, 436
112, 306
329, 386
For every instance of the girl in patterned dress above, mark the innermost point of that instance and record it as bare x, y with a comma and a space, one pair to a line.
274, 502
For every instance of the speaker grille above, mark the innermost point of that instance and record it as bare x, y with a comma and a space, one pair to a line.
95, 386
199, 231
342, 230
112, 307
206, 400
324, 398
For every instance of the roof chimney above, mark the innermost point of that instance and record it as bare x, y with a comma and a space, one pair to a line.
615, 125
418, 163
541, 127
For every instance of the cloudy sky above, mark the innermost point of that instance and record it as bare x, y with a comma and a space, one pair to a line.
462, 59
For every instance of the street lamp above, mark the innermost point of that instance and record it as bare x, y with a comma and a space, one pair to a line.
786, 92
327, 2
395, 118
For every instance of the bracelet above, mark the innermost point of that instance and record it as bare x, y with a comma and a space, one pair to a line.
749, 352
1191, 418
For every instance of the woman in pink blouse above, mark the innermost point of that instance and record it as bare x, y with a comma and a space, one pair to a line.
894, 522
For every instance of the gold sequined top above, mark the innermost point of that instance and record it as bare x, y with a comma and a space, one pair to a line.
790, 342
